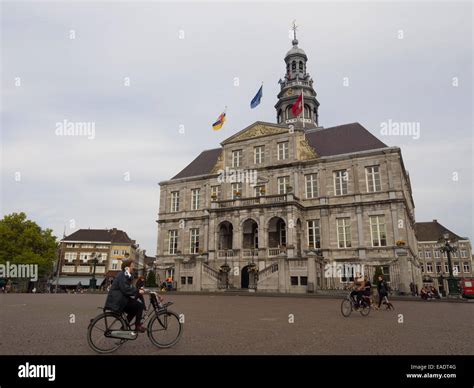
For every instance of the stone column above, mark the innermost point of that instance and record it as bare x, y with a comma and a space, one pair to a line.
178, 263
283, 273
405, 280
311, 257
197, 284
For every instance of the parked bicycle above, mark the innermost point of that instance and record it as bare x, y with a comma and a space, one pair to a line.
109, 330
348, 305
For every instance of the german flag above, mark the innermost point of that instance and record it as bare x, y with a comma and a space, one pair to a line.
219, 123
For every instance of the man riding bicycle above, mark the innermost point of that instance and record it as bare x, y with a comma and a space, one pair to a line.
359, 287
122, 296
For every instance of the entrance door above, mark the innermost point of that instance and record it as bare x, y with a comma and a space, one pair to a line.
244, 277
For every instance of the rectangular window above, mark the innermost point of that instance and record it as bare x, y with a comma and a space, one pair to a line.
372, 178
347, 274
283, 183
174, 201
259, 154
311, 185
236, 158
172, 242
429, 267
294, 280
303, 280
446, 268
69, 245
236, 190
436, 254
438, 267
216, 193
190, 280
259, 191
195, 198
422, 254
466, 267
85, 256
115, 265
428, 254
116, 252
386, 272
314, 235
377, 231
283, 151
183, 280
422, 268
343, 232
341, 178
194, 241
456, 269
70, 256
463, 254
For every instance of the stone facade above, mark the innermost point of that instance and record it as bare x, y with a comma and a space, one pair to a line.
271, 226
308, 198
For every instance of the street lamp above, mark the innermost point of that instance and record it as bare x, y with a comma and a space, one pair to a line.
448, 248
93, 281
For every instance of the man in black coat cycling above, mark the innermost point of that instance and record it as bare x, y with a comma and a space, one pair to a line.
122, 296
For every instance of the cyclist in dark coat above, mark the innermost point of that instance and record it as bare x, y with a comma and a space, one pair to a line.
122, 296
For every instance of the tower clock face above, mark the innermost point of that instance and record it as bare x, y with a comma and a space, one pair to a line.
289, 92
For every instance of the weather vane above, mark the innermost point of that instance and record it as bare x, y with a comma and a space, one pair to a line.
294, 28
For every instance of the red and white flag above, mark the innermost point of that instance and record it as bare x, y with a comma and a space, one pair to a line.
297, 107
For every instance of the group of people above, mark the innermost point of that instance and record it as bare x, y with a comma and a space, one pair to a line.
429, 292
363, 288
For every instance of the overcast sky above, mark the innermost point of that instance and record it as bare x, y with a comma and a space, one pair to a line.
405, 62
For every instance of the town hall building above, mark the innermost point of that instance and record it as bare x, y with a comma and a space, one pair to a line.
289, 206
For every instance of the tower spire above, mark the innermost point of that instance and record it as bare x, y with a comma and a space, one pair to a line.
294, 28
297, 81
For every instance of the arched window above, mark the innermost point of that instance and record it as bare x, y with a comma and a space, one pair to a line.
301, 65
293, 65
288, 112
307, 112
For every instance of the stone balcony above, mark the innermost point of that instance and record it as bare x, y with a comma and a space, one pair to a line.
254, 201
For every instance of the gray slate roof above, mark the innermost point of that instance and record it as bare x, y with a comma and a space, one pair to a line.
105, 235
432, 231
338, 140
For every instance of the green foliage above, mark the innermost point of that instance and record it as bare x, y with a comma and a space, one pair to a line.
151, 279
378, 272
24, 242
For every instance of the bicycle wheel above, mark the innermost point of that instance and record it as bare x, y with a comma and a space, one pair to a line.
346, 307
365, 310
97, 329
165, 329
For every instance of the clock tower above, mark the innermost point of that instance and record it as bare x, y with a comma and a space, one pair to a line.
296, 80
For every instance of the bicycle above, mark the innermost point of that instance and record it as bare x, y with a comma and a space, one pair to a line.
110, 330
388, 305
348, 305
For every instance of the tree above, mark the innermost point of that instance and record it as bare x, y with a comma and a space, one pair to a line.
378, 272
151, 279
24, 242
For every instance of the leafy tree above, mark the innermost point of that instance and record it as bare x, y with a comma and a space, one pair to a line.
22, 241
151, 279
378, 272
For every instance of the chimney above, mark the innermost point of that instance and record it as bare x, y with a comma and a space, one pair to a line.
435, 221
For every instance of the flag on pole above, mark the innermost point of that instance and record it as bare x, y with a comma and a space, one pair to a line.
220, 122
256, 100
297, 107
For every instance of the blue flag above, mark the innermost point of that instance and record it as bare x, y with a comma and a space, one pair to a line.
256, 100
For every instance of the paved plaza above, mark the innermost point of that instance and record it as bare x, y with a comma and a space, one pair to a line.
245, 325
